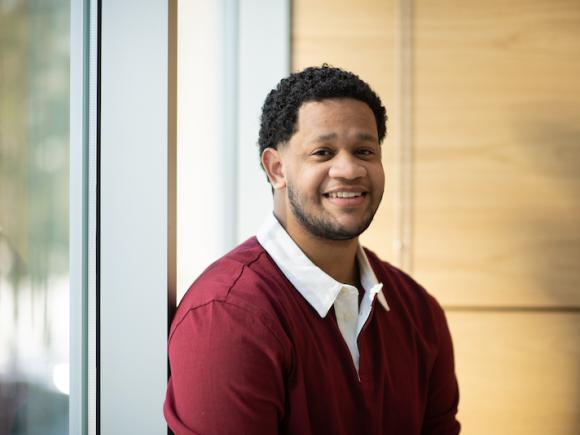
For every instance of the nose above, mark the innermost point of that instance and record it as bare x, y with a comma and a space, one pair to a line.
345, 165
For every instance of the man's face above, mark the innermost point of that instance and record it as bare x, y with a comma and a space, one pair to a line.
333, 170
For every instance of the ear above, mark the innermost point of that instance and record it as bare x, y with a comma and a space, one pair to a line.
274, 167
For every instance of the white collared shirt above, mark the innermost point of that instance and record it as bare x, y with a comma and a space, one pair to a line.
320, 289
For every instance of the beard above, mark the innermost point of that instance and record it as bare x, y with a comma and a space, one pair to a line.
325, 227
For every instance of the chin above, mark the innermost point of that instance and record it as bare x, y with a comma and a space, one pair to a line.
353, 225
350, 230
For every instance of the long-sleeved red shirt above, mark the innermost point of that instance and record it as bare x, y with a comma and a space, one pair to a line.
249, 355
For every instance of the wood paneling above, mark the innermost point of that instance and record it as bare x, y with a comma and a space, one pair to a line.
518, 372
497, 152
496, 185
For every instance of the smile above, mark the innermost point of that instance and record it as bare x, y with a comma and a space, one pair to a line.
344, 194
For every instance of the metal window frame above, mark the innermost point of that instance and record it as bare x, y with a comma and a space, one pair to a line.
134, 242
82, 214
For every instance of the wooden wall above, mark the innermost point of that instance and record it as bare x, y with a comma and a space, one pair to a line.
483, 183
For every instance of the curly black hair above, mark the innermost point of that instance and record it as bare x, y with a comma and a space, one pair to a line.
280, 110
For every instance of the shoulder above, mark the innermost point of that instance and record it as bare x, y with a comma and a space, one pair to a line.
240, 281
217, 281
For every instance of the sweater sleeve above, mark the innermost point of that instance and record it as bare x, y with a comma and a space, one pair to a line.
227, 373
443, 393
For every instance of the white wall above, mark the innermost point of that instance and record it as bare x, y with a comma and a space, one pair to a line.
231, 53
198, 178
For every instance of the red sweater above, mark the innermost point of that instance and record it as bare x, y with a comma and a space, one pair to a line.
249, 355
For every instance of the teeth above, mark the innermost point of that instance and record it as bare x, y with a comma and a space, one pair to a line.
344, 194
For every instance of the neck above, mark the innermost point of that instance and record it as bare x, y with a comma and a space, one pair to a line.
336, 258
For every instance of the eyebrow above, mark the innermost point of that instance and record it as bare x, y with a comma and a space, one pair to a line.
326, 137
366, 137
332, 136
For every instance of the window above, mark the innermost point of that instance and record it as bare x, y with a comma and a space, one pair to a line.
34, 210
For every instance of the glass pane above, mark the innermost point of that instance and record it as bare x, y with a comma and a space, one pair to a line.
34, 282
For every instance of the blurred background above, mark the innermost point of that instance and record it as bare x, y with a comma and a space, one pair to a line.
482, 203
34, 228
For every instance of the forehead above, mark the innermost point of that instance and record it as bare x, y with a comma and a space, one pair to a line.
331, 115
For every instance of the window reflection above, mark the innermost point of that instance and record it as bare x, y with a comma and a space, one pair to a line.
34, 283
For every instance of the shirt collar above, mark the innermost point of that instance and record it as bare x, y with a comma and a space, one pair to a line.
316, 286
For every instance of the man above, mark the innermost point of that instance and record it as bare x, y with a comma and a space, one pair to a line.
300, 330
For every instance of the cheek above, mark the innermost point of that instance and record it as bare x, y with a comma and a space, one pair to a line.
378, 177
311, 180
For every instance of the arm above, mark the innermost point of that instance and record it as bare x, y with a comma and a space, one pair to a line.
443, 395
227, 373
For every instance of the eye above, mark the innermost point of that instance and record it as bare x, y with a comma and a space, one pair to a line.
365, 152
322, 152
